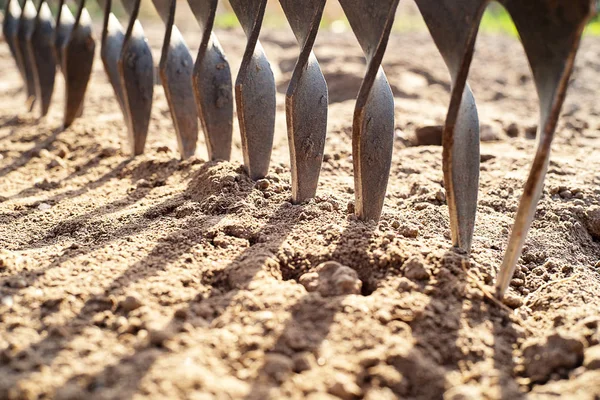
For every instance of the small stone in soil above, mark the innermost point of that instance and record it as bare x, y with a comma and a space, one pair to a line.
591, 358
130, 303
429, 135
415, 269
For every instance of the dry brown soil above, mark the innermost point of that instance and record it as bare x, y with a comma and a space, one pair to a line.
155, 278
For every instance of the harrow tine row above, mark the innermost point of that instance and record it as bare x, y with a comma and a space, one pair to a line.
550, 31
306, 96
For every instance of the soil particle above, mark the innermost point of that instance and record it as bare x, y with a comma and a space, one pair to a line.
429, 135
554, 354
591, 358
278, 366
415, 269
130, 303
332, 279
592, 222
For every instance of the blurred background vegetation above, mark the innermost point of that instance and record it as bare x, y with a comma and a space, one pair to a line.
495, 21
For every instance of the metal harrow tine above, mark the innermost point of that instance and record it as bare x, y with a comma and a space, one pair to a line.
136, 70
78, 53
212, 84
176, 67
26, 27
448, 23
41, 50
255, 92
306, 101
113, 37
373, 126
65, 21
550, 31
10, 29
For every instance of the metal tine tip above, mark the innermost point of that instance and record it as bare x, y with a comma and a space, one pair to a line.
41, 51
307, 95
78, 53
113, 37
448, 23
212, 84
10, 30
176, 67
255, 92
136, 72
26, 27
373, 125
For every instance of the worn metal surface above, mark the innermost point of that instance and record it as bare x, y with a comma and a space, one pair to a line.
10, 29
373, 125
136, 70
176, 67
77, 65
212, 84
113, 37
41, 50
255, 91
449, 22
26, 27
306, 101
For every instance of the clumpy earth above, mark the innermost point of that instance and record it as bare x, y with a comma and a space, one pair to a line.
151, 277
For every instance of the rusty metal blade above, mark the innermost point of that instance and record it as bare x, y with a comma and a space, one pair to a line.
373, 126
26, 27
212, 84
255, 92
77, 64
176, 67
450, 23
306, 101
136, 70
10, 29
550, 31
41, 47
113, 37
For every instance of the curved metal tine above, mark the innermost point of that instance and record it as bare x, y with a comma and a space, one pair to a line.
176, 67
255, 92
373, 126
78, 62
65, 21
113, 37
136, 70
550, 31
10, 29
212, 84
306, 101
453, 24
41, 49
26, 27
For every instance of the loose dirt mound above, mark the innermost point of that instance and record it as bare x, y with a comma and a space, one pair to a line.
151, 277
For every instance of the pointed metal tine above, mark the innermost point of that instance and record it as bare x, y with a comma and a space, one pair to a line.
212, 84
550, 31
26, 27
41, 49
136, 70
306, 101
453, 24
65, 21
255, 92
373, 126
77, 64
176, 67
113, 36
10, 29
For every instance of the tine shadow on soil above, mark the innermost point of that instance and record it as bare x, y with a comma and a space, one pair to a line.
27, 155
